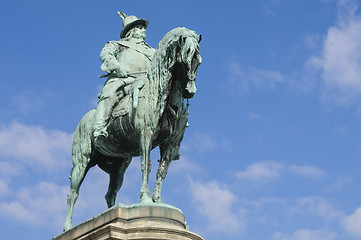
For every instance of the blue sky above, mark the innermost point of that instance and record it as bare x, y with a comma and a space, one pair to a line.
273, 150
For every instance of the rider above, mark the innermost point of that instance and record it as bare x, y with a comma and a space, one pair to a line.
124, 61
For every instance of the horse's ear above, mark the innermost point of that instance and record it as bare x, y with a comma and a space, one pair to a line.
199, 38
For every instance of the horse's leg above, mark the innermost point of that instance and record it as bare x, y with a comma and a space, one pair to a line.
81, 152
116, 180
145, 147
161, 173
77, 176
169, 151
167, 154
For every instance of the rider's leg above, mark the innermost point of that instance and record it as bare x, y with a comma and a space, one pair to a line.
102, 116
107, 99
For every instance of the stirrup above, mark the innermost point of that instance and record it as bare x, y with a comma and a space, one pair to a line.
99, 140
101, 132
100, 137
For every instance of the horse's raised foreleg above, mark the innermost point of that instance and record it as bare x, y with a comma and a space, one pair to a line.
145, 147
116, 180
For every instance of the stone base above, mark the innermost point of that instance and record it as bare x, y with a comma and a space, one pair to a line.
138, 221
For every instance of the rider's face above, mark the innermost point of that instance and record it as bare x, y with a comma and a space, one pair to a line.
139, 32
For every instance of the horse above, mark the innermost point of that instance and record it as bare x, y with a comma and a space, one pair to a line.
156, 116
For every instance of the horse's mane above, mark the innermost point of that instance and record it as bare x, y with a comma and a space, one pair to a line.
164, 59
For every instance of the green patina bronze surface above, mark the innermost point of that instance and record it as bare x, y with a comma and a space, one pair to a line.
141, 106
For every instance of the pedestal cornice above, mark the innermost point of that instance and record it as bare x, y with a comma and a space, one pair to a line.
138, 221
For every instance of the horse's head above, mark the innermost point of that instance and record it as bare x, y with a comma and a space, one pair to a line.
175, 62
189, 56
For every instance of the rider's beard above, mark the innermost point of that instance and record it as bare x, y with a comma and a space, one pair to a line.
138, 34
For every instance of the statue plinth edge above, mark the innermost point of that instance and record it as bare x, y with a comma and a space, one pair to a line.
137, 221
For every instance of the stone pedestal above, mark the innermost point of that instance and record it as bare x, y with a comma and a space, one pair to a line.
138, 221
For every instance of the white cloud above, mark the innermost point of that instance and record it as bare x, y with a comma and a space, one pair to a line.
22, 147
217, 204
91, 199
202, 142
315, 206
339, 184
253, 116
28, 102
271, 211
340, 61
311, 41
265, 211
183, 165
284, 213
352, 223
35, 146
243, 78
10, 169
268, 8
266, 170
43, 204
261, 171
4, 188
268, 11
307, 171
306, 234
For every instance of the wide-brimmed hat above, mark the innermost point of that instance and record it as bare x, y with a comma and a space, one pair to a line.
129, 22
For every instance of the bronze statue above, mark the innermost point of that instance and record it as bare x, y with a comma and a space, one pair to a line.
144, 100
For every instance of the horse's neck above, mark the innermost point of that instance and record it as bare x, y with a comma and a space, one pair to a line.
160, 76
156, 96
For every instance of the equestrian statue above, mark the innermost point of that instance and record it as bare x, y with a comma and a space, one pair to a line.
142, 105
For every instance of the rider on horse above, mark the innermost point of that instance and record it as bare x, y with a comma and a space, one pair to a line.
126, 62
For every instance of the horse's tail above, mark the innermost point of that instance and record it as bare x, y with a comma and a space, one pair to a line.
82, 140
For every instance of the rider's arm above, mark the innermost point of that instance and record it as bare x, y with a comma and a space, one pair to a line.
109, 58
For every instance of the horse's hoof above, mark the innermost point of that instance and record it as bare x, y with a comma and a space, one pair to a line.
157, 200
66, 228
146, 199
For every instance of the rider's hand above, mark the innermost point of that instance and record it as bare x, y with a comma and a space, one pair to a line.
111, 65
114, 67
121, 73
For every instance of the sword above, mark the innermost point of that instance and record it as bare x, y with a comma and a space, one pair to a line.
128, 75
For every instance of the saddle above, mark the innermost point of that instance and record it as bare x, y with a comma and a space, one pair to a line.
129, 99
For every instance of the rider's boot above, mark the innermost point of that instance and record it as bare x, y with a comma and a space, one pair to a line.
102, 115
